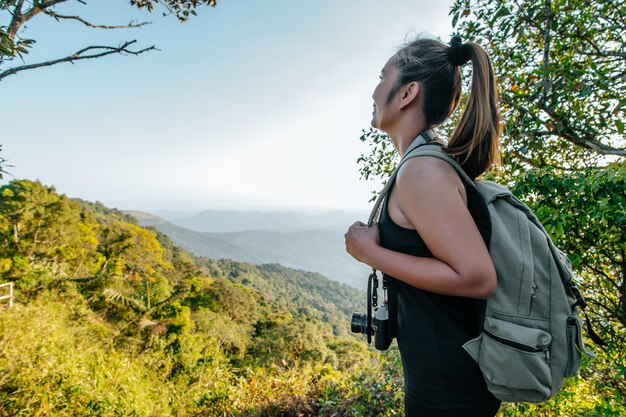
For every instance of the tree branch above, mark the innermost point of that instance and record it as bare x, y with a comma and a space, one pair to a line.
571, 135
542, 133
601, 273
81, 279
605, 54
20, 18
522, 110
51, 3
600, 304
108, 50
16, 20
599, 52
546, 56
622, 289
132, 24
533, 163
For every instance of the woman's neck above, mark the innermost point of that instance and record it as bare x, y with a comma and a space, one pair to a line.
405, 135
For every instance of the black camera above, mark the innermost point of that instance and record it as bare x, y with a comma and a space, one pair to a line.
378, 325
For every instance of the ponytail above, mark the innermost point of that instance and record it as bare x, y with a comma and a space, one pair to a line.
474, 142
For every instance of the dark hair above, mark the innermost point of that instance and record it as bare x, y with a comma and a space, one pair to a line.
436, 66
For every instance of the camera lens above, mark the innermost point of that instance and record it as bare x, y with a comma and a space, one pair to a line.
358, 324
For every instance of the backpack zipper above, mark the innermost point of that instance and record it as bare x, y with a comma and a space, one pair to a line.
518, 345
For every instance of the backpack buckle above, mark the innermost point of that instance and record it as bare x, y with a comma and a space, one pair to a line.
580, 300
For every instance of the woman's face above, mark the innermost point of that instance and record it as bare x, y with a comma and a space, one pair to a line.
383, 114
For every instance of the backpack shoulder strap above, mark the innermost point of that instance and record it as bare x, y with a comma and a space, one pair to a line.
436, 151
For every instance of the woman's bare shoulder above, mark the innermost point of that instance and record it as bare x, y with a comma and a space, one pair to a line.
427, 172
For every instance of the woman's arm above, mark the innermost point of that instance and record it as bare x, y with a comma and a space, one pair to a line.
427, 195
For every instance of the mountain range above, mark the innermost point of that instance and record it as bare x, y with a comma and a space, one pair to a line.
312, 242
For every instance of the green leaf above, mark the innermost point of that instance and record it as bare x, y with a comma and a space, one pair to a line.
502, 11
455, 19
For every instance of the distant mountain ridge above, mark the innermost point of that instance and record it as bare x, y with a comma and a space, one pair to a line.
321, 250
225, 221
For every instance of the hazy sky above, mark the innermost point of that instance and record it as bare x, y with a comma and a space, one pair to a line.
253, 104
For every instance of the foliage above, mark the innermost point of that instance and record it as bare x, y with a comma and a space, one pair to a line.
579, 398
57, 360
42, 232
182, 9
561, 66
382, 158
60, 359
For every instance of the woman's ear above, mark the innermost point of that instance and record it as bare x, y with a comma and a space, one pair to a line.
409, 93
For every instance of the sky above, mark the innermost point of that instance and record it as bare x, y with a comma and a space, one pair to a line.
249, 105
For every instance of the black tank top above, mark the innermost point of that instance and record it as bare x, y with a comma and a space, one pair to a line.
431, 328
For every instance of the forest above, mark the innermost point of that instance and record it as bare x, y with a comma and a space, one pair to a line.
111, 319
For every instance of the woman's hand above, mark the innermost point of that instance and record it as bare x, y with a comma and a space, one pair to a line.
361, 241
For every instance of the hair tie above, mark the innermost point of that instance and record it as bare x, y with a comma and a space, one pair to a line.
459, 52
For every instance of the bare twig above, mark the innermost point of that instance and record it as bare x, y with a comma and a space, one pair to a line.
51, 3
132, 24
107, 50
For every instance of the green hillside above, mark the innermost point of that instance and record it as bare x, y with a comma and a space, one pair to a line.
112, 319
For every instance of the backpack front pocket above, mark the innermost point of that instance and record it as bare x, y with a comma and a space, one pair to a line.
513, 359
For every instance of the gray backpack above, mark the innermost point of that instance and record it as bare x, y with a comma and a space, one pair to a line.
532, 335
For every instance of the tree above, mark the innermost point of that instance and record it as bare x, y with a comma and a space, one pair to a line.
43, 233
132, 271
13, 44
561, 67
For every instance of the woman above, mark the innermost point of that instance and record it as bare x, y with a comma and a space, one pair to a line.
427, 241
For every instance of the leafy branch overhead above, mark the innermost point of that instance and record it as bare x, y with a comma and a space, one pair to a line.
14, 45
182, 9
562, 75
